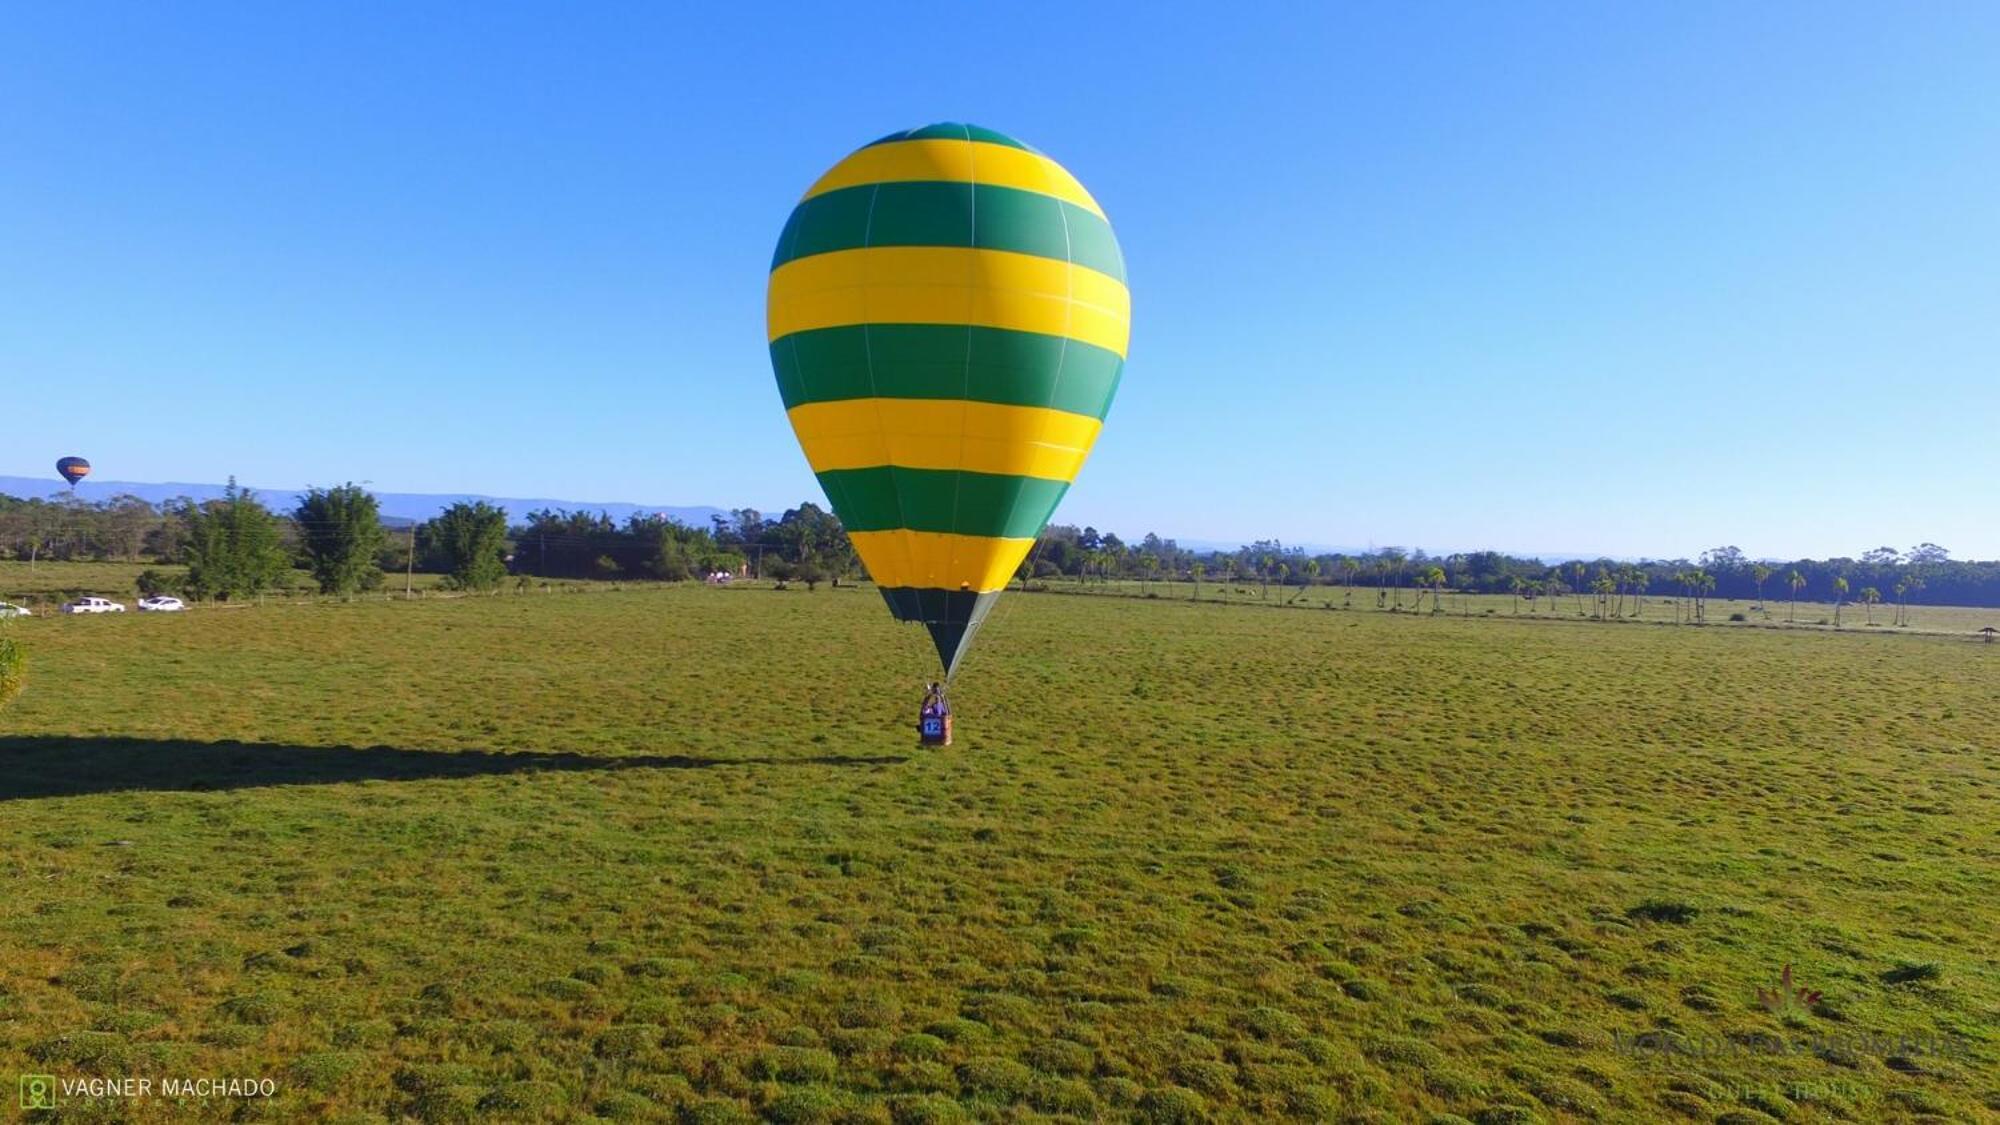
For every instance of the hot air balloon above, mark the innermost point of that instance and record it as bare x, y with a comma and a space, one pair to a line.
948, 320
73, 469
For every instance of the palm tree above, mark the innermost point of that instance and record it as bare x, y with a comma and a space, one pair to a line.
1197, 571
1869, 597
1264, 576
1902, 589
1556, 588
1312, 569
1760, 573
1640, 579
1514, 587
1915, 582
1797, 582
1602, 586
1284, 572
1433, 577
1839, 595
1704, 584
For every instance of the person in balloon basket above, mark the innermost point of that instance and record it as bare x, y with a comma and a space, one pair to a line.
934, 718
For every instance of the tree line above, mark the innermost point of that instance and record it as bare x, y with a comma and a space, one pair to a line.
235, 546
1923, 574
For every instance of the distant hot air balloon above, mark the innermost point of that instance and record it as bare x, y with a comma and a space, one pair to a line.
948, 320
73, 469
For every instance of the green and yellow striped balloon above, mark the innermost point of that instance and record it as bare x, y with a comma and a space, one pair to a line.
948, 319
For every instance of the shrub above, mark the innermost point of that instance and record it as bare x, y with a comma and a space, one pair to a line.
13, 670
797, 1064
998, 1077
806, 1105
322, 1071
920, 1046
1664, 910
927, 1109
1172, 1105
1911, 972
1060, 1056
152, 582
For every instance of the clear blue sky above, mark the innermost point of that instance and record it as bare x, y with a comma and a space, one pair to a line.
1639, 280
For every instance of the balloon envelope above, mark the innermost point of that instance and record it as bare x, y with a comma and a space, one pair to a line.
73, 469
948, 320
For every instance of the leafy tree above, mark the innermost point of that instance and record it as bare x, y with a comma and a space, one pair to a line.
1722, 559
1928, 554
341, 532
811, 573
471, 541
234, 546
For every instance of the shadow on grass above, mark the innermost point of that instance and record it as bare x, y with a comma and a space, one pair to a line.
62, 766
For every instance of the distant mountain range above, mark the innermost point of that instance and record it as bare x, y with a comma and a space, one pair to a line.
397, 507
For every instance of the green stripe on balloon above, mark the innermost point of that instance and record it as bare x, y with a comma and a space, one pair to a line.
945, 361
954, 131
951, 616
939, 213
891, 497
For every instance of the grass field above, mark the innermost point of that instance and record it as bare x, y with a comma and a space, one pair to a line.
671, 853
1653, 609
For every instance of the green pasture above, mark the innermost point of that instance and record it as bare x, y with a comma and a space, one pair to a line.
1654, 607
672, 854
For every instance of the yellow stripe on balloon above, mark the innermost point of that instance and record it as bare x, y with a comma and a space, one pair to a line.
936, 560
935, 433
949, 285
962, 162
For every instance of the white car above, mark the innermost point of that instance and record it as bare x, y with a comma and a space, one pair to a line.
93, 605
7, 610
161, 603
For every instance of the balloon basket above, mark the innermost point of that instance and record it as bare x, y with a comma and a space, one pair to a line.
934, 718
